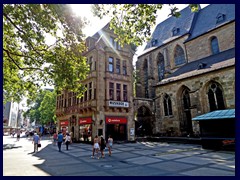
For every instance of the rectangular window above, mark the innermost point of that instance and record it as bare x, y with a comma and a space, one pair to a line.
74, 98
90, 62
118, 92
85, 93
62, 102
90, 91
110, 64
111, 91
125, 93
118, 66
119, 46
112, 42
69, 99
95, 93
124, 67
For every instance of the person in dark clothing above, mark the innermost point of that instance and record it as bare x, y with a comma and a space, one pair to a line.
60, 140
102, 146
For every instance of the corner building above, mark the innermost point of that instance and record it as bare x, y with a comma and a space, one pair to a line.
107, 106
187, 69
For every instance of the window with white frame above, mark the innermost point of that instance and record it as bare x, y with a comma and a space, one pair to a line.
110, 64
118, 92
111, 91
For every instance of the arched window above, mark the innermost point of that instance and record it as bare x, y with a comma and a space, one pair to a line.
214, 45
179, 56
215, 97
145, 69
186, 99
160, 66
167, 105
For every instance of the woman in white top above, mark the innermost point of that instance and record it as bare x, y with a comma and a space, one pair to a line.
110, 143
95, 146
67, 140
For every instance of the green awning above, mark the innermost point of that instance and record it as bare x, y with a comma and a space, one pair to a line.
219, 114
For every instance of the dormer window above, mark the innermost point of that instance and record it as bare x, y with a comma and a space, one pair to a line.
175, 31
154, 42
202, 65
220, 18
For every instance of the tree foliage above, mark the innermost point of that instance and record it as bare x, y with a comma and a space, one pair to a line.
43, 108
48, 107
29, 61
34, 112
132, 23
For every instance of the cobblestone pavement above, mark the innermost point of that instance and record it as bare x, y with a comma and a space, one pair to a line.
128, 159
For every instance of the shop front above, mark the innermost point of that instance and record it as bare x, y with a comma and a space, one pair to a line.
116, 127
85, 129
64, 126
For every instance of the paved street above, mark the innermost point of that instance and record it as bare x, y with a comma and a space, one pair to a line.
128, 159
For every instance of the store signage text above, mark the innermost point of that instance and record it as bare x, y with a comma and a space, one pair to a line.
87, 120
64, 123
118, 104
116, 120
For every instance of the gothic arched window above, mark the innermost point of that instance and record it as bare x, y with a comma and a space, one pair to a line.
179, 57
215, 97
167, 105
214, 45
160, 66
145, 69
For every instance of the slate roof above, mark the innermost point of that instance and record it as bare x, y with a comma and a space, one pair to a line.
210, 63
163, 31
219, 114
195, 24
206, 19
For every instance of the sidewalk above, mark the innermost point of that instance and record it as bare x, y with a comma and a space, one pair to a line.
128, 159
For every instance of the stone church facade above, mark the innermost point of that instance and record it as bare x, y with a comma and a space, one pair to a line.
187, 69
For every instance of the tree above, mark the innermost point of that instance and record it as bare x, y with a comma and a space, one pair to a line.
43, 108
132, 23
29, 61
48, 107
34, 112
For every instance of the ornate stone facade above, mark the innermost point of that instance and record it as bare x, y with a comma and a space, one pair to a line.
107, 106
191, 73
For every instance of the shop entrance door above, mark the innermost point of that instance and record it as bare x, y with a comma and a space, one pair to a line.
117, 131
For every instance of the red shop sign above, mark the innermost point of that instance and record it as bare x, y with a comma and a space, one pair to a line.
116, 120
87, 120
62, 123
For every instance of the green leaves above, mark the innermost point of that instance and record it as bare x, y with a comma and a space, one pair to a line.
29, 61
43, 107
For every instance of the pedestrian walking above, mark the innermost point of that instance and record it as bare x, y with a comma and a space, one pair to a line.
102, 146
55, 139
68, 140
18, 135
110, 144
13, 133
36, 141
60, 140
95, 147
